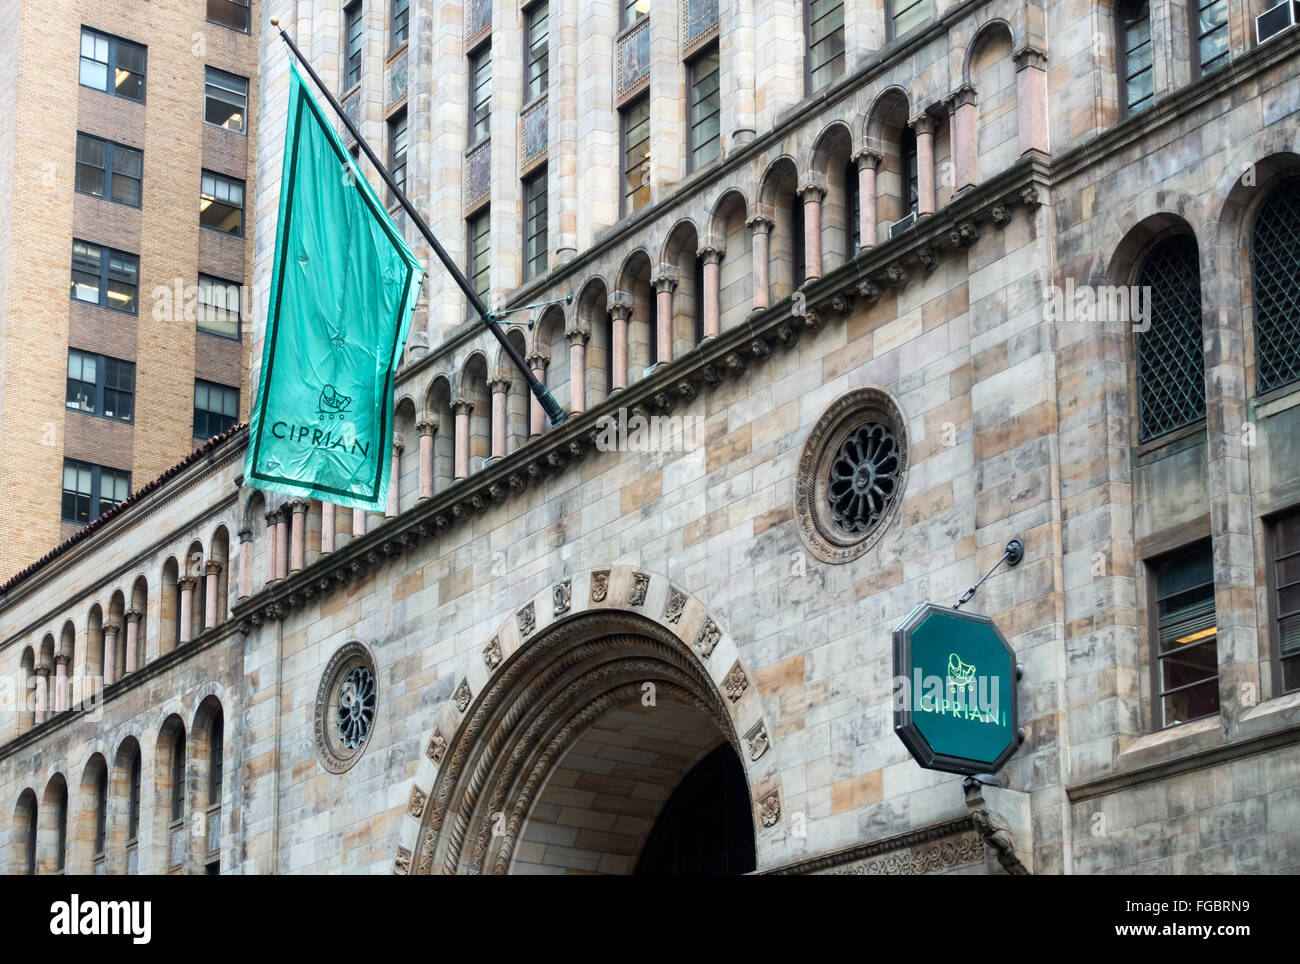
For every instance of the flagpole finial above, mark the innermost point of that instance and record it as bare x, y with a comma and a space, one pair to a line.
275, 21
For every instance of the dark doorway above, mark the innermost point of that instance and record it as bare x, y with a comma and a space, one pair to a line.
706, 826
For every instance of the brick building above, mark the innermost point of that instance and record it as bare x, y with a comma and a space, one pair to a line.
933, 277
126, 149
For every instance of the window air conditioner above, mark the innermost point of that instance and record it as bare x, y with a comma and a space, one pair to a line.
1272, 22
898, 227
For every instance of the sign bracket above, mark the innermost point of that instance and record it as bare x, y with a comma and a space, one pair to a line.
1014, 552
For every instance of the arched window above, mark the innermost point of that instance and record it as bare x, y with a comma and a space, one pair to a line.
25, 832
176, 823
101, 820
1275, 266
61, 829
1170, 358
133, 818
216, 770
1137, 88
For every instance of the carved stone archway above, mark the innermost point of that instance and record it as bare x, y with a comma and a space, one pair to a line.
614, 675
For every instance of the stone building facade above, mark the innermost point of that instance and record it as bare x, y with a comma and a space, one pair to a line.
126, 149
979, 260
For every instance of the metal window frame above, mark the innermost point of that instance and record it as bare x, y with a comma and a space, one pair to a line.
539, 173
198, 301
208, 71
529, 14
475, 59
1121, 60
248, 15
1158, 694
1267, 352
809, 47
1273, 583
209, 412
110, 150
96, 488
483, 214
104, 255
891, 18
243, 202
1147, 390
101, 370
113, 42
625, 197
1194, 9
692, 78
354, 9
623, 20
394, 44
399, 118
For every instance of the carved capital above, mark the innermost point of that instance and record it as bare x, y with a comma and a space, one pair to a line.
710, 255
922, 123
1030, 56
186, 583
759, 224
867, 158
663, 281
501, 385
538, 360
812, 191
132, 616
963, 95
427, 428
462, 405
578, 336
212, 567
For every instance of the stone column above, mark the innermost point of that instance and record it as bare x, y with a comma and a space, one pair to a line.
742, 69
186, 586
812, 195
577, 339
245, 562
394, 504
664, 285
328, 513
298, 536
868, 163
428, 432
712, 259
963, 119
282, 543
211, 581
1031, 99
110, 653
536, 414
42, 694
131, 661
61, 661
498, 387
923, 124
621, 312
761, 228
462, 409
271, 542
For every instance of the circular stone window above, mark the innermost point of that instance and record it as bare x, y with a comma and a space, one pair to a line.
851, 475
346, 703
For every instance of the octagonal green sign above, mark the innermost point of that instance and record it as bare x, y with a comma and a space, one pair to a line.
954, 691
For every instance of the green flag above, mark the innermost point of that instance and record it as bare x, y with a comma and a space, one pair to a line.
343, 286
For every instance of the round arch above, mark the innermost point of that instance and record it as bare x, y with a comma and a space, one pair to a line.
613, 685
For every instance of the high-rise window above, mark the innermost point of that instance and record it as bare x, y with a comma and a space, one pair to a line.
353, 44
1275, 269
480, 93
1186, 635
853, 207
108, 170
1137, 89
907, 15
907, 169
636, 154
218, 306
91, 490
634, 10
705, 106
112, 64
537, 33
229, 13
1211, 30
178, 778
1170, 356
397, 150
216, 408
535, 214
105, 277
399, 29
1285, 538
225, 100
825, 41
101, 385
221, 203
480, 252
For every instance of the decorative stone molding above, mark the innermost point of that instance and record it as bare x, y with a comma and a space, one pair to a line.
756, 740
936, 849
708, 638
492, 653
463, 695
527, 618
640, 586
599, 585
676, 602
1030, 56
436, 749
735, 683
769, 808
415, 803
561, 594
867, 158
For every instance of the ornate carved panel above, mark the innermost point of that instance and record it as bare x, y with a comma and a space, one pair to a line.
699, 24
478, 176
534, 136
633, 69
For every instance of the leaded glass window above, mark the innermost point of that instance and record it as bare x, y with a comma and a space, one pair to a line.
1170, 359
1275, 262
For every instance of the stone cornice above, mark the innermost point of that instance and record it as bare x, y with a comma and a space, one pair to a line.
726, 355
902, 841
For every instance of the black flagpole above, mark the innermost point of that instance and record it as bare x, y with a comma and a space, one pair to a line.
549, 405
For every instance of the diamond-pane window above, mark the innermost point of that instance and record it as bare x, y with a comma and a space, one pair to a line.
1171, 362
1275, 258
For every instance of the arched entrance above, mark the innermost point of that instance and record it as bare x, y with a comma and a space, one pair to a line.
594, 743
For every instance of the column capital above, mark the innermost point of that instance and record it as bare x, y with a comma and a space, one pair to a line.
867, 158
272, 518
759, 224
186, 582
620, 312
577, 336
427, 427
246, 534
62, 659
922, 123
298, 506
212, 567
41, 669
112, 629
132, 616
399, 444
710, 255
499, 385
663, 282
462, 405
963, 95
812, 190
1030, 56
620, 302
538, 359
